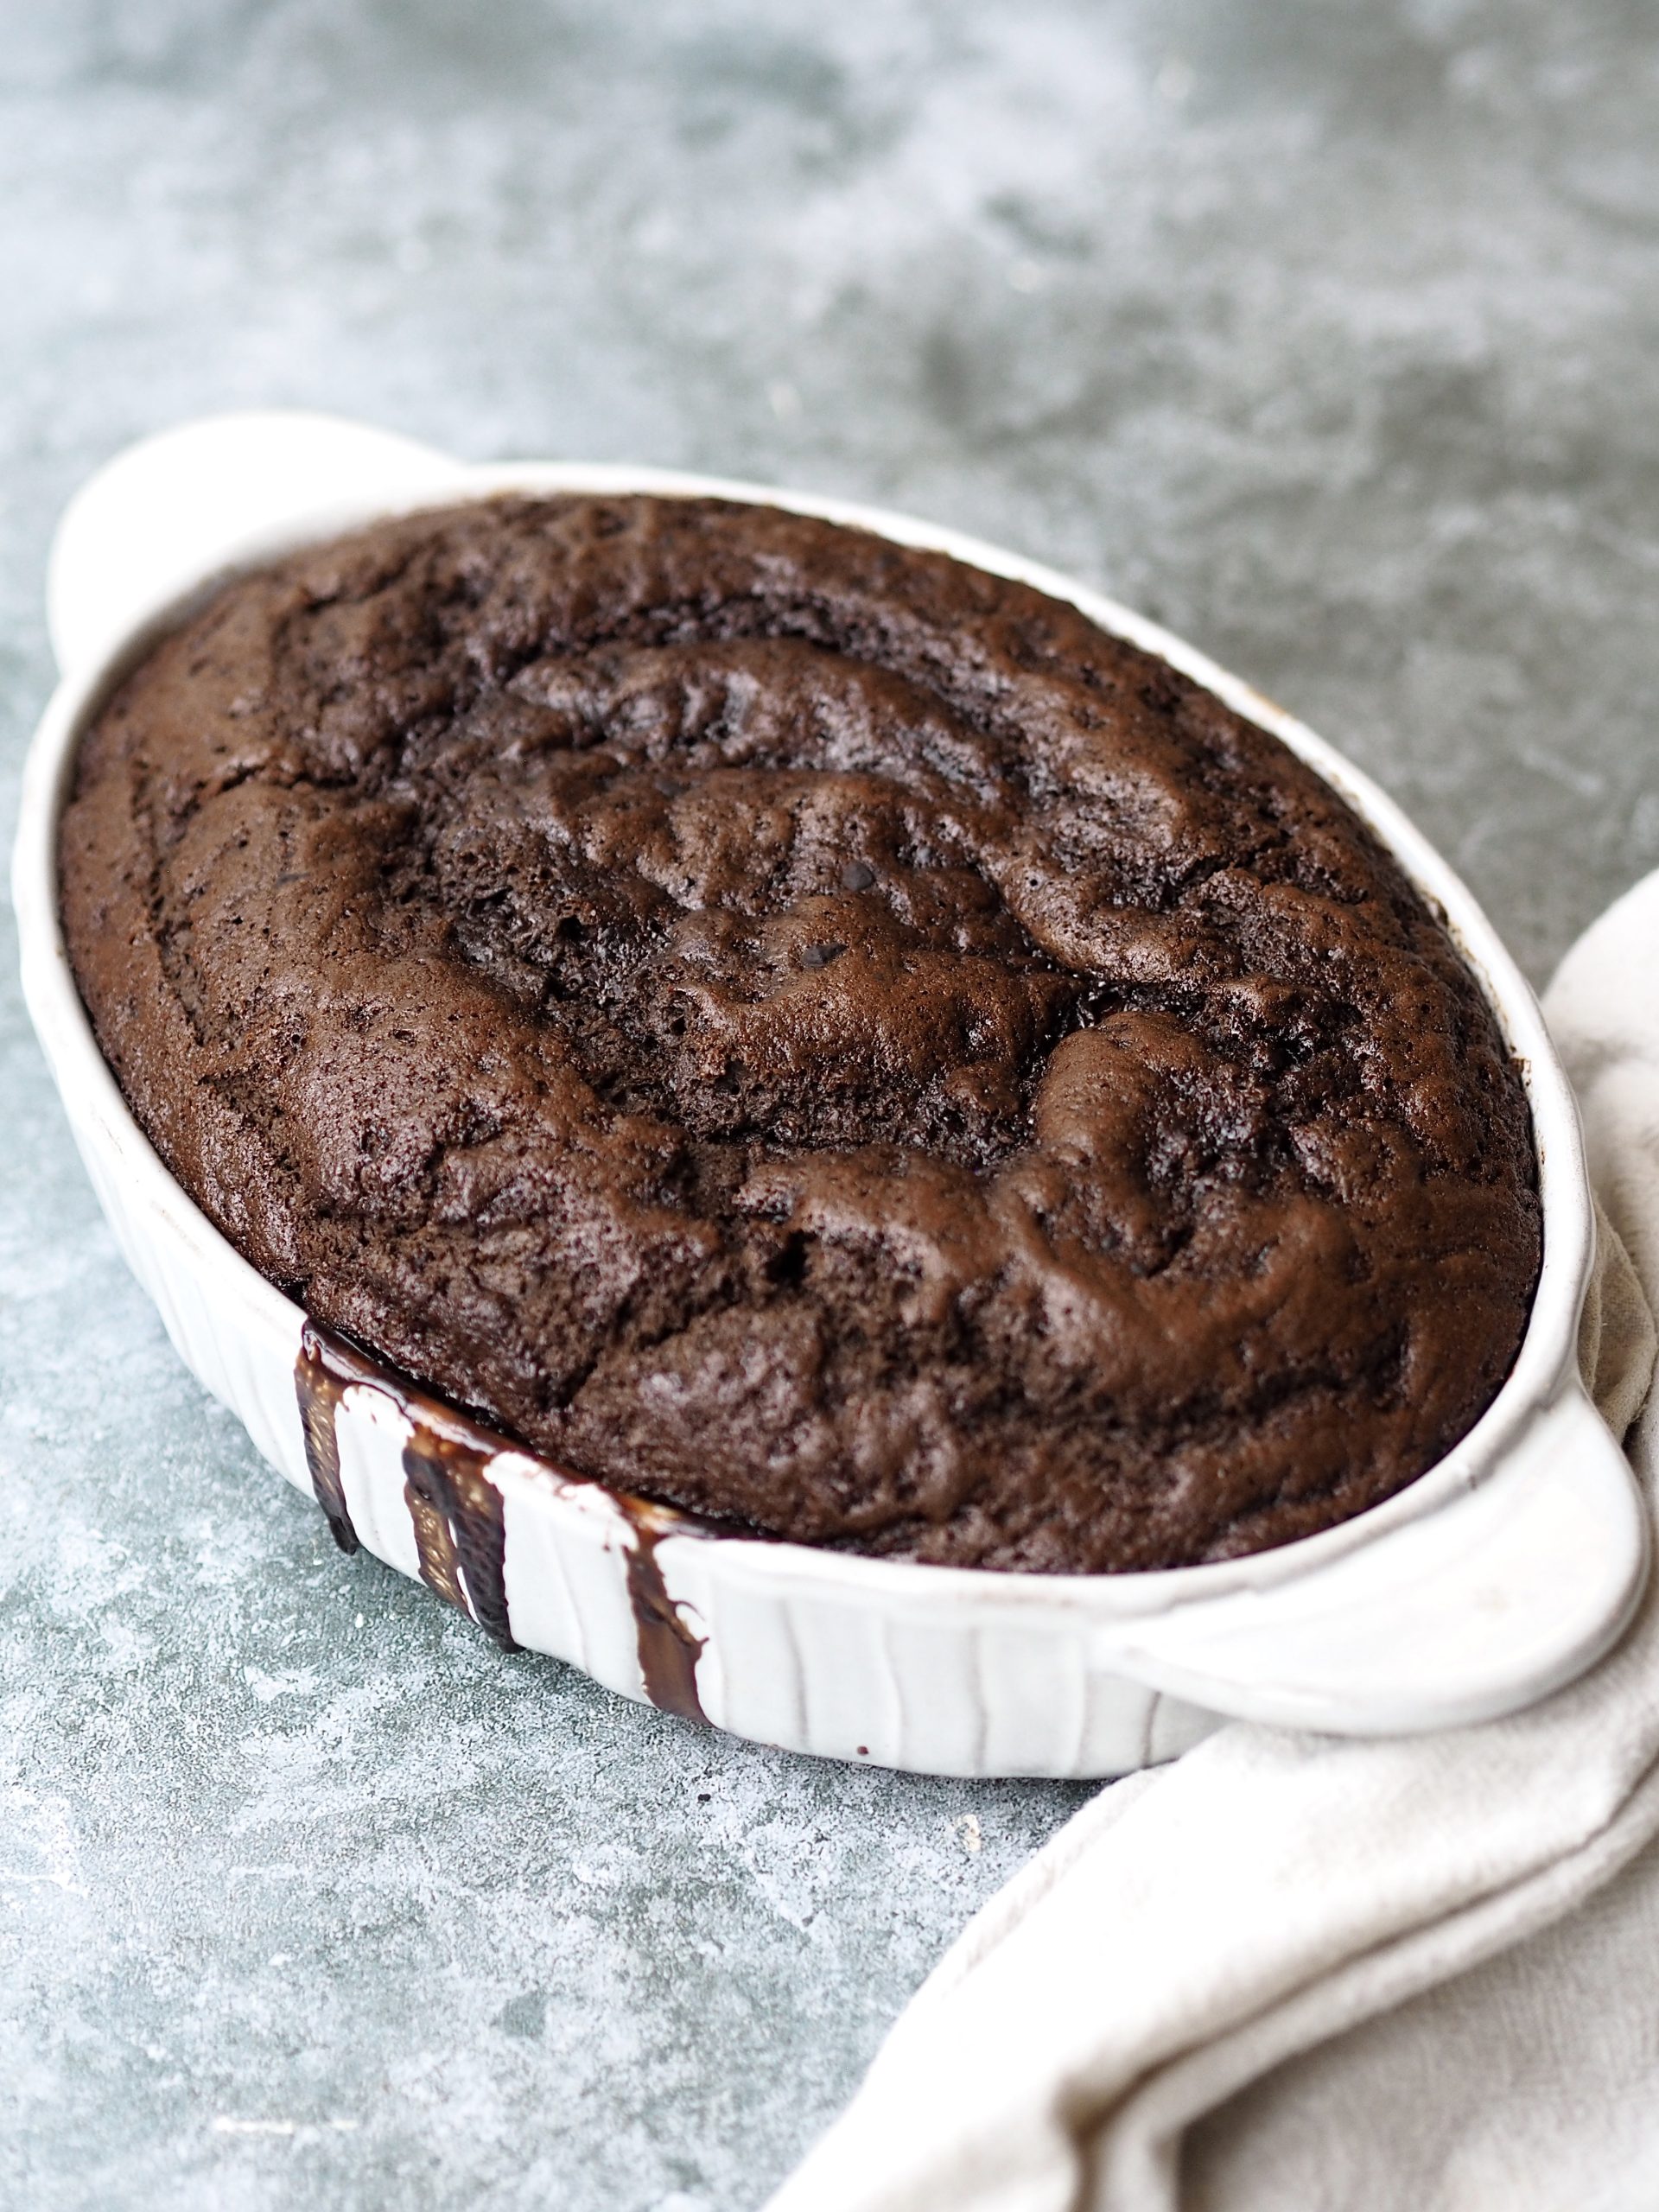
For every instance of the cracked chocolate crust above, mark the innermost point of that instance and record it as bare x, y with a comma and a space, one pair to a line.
805, 1030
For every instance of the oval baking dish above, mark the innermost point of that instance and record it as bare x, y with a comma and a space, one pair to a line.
1492, 1579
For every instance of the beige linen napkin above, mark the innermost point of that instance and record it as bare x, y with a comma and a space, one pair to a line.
1270, 1902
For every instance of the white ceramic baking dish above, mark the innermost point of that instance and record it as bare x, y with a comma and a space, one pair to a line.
1497, 1576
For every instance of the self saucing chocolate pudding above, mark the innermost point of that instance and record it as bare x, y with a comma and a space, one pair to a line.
803, 1029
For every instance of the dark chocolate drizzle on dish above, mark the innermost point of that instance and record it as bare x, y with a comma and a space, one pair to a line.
459, 1527
456, 1512
668, 1651
320, 1379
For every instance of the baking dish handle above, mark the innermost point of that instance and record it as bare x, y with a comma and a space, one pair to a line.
1512, 1588
174, 506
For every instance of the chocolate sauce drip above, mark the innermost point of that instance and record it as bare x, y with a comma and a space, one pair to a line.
460, 1526
434, 1545
456, 1510
319, 1384
457, 1518
668, 1651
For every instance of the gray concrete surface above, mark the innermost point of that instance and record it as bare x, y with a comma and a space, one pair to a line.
1325, 330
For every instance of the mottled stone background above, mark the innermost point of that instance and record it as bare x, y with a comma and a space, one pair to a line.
1325, 330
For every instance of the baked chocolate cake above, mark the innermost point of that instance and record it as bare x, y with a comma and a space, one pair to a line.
806, 1029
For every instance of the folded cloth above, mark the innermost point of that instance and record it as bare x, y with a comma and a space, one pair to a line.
1267, 1904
